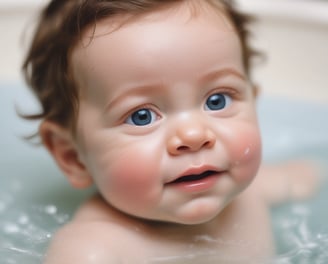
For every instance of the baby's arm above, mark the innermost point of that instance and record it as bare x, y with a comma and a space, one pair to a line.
293, 180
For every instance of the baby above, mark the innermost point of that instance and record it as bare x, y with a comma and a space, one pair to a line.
152, 102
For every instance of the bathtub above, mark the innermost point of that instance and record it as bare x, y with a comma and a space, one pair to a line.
35, 198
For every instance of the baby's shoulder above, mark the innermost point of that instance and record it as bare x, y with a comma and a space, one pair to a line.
84, 242
93, 236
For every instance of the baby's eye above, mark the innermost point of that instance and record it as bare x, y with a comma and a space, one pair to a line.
142, 117
217, 102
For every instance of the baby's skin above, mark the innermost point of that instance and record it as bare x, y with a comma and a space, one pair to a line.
167, 130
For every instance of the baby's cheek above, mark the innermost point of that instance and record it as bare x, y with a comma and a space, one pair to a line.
246, 154
133, 179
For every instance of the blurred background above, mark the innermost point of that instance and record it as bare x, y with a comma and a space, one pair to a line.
292, 33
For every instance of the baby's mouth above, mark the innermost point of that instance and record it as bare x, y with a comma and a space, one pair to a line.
194, 177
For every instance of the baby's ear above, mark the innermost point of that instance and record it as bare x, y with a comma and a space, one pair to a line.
61, 145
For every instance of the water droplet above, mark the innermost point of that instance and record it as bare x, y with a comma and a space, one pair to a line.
50, 209
246, 152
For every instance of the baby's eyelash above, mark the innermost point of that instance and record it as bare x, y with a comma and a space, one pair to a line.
232, 92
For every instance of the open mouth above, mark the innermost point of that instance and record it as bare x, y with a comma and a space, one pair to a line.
195, 177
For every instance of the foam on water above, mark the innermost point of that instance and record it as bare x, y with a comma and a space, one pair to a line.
25, 229
301, 231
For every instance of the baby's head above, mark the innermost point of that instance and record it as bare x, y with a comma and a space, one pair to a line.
151, 101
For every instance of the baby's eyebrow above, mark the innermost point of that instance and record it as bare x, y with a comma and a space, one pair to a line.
215, 74
137, 89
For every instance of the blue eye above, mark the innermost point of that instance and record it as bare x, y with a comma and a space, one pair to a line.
141, 117
217, 102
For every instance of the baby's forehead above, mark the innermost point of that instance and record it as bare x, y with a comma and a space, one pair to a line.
138, 33
186, 10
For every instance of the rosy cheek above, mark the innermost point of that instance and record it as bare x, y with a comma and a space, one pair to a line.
246, 154
132, 177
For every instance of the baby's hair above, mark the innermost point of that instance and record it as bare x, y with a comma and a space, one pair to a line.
47, 67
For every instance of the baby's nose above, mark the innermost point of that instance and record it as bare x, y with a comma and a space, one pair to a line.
191, 137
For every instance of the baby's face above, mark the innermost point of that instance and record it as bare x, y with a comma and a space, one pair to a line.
167, 124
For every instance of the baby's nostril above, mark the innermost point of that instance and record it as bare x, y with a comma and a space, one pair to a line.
183, 148
206, 144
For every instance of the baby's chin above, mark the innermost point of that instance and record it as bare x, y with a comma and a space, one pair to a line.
201, 215
198, 220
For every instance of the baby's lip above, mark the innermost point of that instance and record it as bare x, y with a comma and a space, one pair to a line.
196, 173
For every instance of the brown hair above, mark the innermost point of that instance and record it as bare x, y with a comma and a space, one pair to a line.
60, 26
